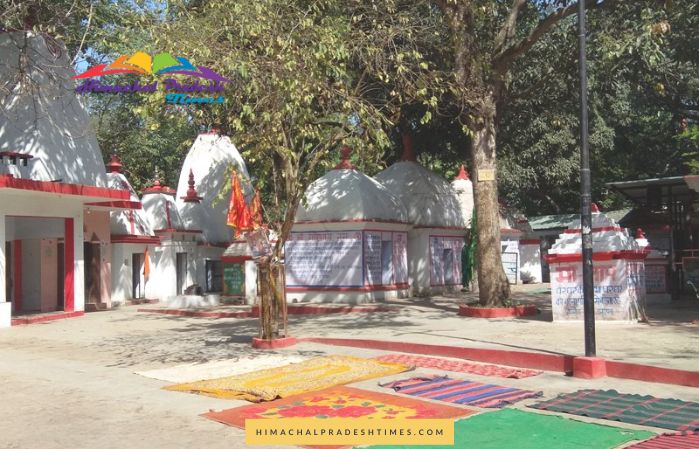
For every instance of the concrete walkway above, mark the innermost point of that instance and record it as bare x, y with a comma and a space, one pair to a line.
71, 383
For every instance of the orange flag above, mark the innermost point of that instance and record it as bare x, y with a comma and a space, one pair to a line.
238, 211
146, 265
256, 210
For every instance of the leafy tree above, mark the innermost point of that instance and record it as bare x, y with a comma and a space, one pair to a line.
307, 77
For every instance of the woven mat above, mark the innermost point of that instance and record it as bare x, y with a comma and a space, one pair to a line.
314, 374
629, 408
192, 372
459, 366
687, 440
338, 402
459, 391
515, 429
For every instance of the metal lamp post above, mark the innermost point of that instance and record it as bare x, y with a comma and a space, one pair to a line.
585, 194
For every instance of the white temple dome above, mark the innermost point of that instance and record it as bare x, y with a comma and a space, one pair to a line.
346, 194
126, 222
160, 209
210, 159
42, 115
430, 200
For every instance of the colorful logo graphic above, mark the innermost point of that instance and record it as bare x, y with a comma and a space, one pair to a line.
141, 63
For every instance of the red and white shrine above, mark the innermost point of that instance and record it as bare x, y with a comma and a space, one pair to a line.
618, 272
436, 237
349, 241
55, 248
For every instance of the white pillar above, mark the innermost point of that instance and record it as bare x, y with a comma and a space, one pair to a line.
5, 306
79, 264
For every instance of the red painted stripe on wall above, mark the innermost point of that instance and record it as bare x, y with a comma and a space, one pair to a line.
69, 279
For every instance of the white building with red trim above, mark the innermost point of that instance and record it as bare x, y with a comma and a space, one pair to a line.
349, 241
437, 233
132, 240
55, 246
618, 272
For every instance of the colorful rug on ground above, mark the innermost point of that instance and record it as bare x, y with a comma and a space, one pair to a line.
629, 408
192, 372
685, 440
460, 391
339, 402
459, 366
314, 374
511, 428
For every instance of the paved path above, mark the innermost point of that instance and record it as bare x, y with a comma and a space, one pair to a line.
71, 383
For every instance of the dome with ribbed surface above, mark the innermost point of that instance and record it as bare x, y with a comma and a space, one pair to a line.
347, 195
429, 199
210, 159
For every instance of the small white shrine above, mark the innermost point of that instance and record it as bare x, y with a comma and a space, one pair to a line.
349, 241
174, 261
438, 230
131, 236
208, 166
618, 272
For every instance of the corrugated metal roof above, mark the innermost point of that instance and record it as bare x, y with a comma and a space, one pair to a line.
544, 222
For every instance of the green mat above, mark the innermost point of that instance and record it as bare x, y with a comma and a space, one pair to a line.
511, 428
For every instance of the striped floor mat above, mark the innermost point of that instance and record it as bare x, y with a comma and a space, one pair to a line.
460, 391
481, 369
629, 408
687, 440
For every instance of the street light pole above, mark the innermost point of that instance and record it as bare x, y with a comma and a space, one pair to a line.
585, 194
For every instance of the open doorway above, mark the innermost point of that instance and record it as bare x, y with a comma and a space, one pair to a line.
137, 276
181, 272
93, 291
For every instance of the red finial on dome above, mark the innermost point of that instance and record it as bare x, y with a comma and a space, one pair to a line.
408, 153
640, 234
155, 188
114, 164
594, 208
463, 174
345, 163
191, 196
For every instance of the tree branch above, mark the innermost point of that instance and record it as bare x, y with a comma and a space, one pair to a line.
501, 62
510, 26
87, 28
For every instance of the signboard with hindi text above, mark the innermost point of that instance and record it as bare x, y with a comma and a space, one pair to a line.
324, 259
619, 287
234, 279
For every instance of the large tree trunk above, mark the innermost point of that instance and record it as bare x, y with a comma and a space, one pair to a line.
493, 286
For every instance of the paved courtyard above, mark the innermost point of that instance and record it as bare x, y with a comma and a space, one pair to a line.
71, 383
